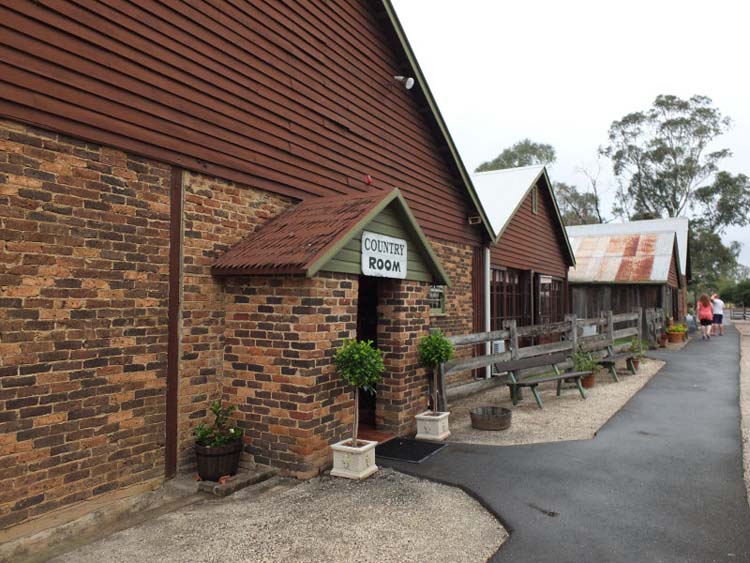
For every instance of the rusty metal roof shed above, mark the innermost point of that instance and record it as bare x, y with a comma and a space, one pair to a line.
643, 258
305, 237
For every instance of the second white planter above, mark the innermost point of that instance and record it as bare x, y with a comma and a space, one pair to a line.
433, 427
354, 463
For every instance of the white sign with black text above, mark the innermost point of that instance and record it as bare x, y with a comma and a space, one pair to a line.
383, 256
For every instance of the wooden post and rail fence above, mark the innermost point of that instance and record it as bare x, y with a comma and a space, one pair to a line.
601, 337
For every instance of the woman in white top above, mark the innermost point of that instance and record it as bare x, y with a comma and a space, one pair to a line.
718, 309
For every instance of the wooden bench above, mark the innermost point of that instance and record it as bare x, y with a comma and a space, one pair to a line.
516, 384
611, 359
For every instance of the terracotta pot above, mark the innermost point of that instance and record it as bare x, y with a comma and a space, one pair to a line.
217, 461
674, 337
588, 381
636, 363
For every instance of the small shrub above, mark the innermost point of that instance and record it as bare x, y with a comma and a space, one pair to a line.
433, 350
583, 361
221, 432
360, 364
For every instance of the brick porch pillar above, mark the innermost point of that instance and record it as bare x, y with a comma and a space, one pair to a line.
403, 319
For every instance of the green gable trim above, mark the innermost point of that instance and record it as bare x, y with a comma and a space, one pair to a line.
390, 217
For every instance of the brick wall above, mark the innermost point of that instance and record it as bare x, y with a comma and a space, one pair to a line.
84, 244
457, 259
217, 215
403, 320
281, 335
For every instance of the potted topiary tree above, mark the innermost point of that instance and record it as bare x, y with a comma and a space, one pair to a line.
636, 348
582, 361
433, 351
218, 447
361, 365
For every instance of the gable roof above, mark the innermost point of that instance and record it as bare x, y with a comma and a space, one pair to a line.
677, 225
624, 258
304, 238
502, 192
430, 99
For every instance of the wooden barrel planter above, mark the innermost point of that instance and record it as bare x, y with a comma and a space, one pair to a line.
588, 381
217, 461
490, 418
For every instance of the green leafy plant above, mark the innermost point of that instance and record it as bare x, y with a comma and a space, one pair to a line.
360, 364
221, 432
582, 361
677, 328
434, 350
638, 347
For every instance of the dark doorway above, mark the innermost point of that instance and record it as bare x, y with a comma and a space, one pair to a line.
367, 329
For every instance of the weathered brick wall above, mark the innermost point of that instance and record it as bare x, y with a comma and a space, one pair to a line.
84, 244
217, 215
403, 320
281, 335
457, 259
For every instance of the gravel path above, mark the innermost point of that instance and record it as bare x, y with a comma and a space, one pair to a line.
388, 517
567, 417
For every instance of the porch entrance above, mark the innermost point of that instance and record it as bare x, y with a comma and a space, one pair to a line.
367, 329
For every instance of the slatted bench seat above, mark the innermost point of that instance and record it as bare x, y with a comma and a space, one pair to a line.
552, 360
611, 359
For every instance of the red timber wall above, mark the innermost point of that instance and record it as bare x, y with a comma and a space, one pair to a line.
250, 93
533, 241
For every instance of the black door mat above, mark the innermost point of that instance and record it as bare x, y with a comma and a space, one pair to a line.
408, 449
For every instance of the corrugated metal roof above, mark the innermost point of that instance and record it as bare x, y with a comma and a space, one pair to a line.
677, 225
501, 192
293, 240
625, 258
305, 237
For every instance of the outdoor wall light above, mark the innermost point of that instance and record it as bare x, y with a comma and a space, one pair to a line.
407, 81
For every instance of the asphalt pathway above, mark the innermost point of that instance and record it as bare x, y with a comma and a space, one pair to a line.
661, 481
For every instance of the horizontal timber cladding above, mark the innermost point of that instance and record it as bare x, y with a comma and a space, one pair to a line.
295, 98
533, 241
348, 259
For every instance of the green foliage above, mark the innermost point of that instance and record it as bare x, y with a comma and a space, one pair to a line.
737, 293
576, 207
638, 347
677, 328
660, 155
434, 349
360, 364
523, 153
221, 432
582, 361
712, 260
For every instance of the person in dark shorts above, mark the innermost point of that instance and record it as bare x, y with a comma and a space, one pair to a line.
705, 316
717, 306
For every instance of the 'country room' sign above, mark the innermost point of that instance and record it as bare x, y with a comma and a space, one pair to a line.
383, 256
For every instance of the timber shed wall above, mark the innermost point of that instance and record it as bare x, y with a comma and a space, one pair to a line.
297, 98
533, 241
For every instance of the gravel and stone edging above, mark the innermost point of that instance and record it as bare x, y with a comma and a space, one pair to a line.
568, 417
388, 517
744, 329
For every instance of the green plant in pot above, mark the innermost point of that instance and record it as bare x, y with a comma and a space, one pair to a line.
359, 364
218, 447
582, 361
434, 350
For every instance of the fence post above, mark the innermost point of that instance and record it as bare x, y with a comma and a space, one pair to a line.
610, 328
573, 331
513, 329
640, 326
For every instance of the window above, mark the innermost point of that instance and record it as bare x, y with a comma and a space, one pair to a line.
534, 200
436, 298
509, 298
550, 300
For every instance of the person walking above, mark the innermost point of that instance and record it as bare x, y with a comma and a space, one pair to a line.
705, 316
717, 305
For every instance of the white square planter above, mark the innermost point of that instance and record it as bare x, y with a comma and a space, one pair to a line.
433, 426
354, 463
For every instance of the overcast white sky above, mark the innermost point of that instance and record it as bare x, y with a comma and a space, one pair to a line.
561, 72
